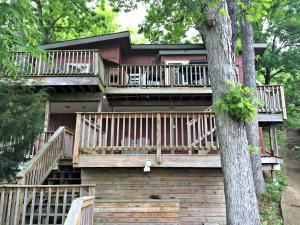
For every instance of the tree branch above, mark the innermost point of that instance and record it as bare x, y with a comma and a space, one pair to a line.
277, 72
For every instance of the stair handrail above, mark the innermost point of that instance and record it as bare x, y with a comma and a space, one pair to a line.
38, 168
81, 211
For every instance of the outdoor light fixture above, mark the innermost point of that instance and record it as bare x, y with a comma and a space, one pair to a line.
148, 163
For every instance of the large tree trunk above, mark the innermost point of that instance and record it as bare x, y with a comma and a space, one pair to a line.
241, 203
250, 81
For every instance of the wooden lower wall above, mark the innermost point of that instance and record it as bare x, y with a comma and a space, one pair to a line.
199, 192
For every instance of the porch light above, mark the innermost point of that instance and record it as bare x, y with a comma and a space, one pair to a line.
148, 163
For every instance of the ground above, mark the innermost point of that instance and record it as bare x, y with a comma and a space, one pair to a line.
290, 203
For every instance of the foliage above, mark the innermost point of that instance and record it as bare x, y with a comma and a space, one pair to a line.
255, 9
296, 148
238, 102
21, 119
270, 203
281, 31
64, 20
18, 31
253, 149
29, 23
292, 96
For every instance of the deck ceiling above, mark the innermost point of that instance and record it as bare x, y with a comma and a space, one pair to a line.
203, 99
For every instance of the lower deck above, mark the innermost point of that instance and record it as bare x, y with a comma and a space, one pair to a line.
161, 196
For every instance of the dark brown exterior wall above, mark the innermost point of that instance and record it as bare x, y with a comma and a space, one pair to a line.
200, 192
111, 52
141, 58
239, 63
57, 120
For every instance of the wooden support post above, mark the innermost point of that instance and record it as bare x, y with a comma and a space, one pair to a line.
158, 138
282, 101
273, 140
273, 176
172, 76
77, 139
99, 106
47, 116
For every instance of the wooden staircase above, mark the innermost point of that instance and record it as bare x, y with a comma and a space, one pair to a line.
63, 175
59, 146
46, 189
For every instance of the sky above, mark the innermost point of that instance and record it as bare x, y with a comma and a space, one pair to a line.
135, 17
132, 19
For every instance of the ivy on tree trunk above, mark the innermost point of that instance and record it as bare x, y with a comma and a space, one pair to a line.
241, 202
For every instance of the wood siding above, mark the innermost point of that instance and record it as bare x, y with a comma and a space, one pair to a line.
111, 51
138, 58
59, 119
200, 192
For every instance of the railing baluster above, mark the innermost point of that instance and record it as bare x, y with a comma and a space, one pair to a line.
171, 133
182, 134
95, 131
32, 206
141, 130
100, 136
146, 141
118, 129
56, 205
106, 131
64, 63
152, 129
211, 131
165, 129
40, 206
199, 132
158, 138
123, 130
205, 131
194, 131
129, 131
135, 140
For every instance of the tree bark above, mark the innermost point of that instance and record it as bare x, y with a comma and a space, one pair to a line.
250, 81
232, 9
241, 202
267, 76
40, 16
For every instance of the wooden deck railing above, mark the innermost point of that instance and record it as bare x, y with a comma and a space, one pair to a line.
273, 98
39, 167
69, 137
60, 62
39, 142
81, 211
158, 75
145, 133
39, 204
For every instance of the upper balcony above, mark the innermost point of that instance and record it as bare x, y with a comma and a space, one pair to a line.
158, 79
64, 70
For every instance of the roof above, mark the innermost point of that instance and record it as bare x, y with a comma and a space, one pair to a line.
87, 40
259, 47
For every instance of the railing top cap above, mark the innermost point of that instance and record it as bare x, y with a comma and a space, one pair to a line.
268, 85
46, 186
202, 64
68, 50
145, 112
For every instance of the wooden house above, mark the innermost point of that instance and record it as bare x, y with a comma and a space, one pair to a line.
134, 125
